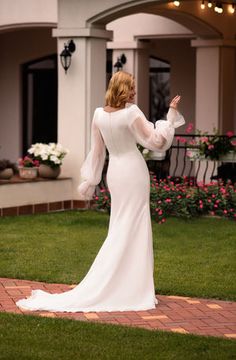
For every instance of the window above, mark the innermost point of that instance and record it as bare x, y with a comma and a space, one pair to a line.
159, 82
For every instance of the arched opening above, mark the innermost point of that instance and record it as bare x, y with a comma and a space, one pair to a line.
22, 46
187, 17
159, 88
39, 99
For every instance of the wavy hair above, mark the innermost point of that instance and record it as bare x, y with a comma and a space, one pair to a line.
119, 88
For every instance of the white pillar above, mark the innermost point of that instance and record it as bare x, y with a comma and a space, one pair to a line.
80, 91
215, 84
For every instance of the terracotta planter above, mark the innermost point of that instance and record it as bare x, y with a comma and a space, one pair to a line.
6, 174
46, 171
28, 172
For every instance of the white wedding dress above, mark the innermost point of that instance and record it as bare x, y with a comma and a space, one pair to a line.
121, 276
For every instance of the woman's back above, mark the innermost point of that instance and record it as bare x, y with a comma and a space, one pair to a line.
115, 130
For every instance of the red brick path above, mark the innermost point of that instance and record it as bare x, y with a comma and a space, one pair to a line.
173, 313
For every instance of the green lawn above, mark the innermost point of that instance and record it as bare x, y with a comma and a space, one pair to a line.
35, 338
193, 258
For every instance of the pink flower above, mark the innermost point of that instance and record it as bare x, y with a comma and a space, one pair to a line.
160, 212
233, 142
168, 200
210, 147
189, 128
204, 139
201, 206
230, 134
225, 211
192, 142
181, 139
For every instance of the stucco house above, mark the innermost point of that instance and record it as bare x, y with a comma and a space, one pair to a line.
172, 47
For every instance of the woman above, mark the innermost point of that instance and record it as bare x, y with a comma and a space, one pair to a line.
121, 276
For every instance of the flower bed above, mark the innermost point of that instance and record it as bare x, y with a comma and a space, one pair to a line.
182, 199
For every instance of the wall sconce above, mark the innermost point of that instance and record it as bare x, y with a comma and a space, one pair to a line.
66, 54
120, 62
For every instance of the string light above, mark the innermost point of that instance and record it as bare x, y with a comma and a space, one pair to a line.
220, 9
232, 9
217, 5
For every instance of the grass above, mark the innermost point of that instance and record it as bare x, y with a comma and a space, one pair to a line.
35, 338
192, 258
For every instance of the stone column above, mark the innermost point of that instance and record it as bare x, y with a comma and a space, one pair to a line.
80, 91
215, 84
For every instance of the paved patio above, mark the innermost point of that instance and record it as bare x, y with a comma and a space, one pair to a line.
173, 313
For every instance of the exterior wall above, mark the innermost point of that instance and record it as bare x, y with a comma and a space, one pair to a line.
48, 192
82, 89
22, 12
19, 47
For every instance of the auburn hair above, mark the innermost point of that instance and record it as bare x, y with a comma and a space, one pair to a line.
119, 88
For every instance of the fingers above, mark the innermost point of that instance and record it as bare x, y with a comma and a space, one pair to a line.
175, 101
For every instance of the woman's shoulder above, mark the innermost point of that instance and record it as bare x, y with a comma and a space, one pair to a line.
135, 110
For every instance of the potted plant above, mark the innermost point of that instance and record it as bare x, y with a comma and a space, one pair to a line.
210, 147
50, 158
28, 167
7, 169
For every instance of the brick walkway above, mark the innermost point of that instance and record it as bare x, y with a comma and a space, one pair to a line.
173, 313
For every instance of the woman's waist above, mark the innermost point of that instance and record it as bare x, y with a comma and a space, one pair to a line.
116, 155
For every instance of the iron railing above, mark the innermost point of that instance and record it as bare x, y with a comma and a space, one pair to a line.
176, 165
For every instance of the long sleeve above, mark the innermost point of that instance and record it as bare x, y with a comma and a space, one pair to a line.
91, 170
158, 137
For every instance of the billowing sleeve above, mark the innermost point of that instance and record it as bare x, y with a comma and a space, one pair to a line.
91, 170
158, 137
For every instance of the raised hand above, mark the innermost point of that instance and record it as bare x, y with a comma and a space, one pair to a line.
175, 101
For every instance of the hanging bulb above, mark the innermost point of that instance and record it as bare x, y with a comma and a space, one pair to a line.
177, 3
209, 4
232, 9
220, 9
203, 5
216, 8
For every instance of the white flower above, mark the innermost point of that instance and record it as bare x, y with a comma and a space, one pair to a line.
47, 153
145, 151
